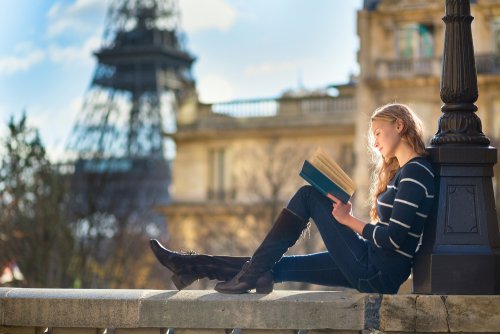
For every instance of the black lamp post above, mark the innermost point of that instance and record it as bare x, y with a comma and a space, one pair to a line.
461, 250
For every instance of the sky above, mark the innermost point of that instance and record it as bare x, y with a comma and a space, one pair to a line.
243, 49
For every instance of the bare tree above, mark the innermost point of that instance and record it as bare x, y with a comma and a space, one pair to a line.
113, 217
268, 174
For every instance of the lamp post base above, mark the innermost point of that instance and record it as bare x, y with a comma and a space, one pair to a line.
460, 253
457, 274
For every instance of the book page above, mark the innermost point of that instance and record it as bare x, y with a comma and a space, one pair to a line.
332, 170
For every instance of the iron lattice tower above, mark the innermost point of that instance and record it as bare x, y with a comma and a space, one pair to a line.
143, 71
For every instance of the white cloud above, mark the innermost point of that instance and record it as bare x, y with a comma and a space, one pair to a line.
207, 14
270, 68
75, 54
25, 56
24, 59
82, 16
215, 88
87, 16
54, 10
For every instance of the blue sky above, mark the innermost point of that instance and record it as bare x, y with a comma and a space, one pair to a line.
244, 49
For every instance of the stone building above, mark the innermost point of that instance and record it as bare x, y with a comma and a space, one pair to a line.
237, 162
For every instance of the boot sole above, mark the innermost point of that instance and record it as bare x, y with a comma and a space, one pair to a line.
231, 292
263, 285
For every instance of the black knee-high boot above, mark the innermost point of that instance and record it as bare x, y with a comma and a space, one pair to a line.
190, 267
256, 273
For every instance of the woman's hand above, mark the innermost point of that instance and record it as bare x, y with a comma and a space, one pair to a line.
341, 212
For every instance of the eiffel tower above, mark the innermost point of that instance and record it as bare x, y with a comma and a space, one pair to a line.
121, 171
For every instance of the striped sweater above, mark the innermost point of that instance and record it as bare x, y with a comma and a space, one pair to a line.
403, 208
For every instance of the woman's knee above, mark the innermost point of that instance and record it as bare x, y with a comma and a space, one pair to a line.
299, 203
311, 193
305, 190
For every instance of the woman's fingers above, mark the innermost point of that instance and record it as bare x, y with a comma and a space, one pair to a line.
333, 198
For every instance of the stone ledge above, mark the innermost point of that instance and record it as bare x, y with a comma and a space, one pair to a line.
182, 309
447, 314
338, 311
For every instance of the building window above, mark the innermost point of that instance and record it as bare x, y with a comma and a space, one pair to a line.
415, 40
347, 158
496, 35
218, 187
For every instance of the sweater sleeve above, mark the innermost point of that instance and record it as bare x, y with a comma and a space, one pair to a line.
414, 187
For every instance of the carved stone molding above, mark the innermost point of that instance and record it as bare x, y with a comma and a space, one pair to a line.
408, 4
460, 127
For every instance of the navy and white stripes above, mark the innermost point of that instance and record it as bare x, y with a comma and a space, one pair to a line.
403, 209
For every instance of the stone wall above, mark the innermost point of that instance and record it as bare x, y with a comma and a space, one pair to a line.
153, 311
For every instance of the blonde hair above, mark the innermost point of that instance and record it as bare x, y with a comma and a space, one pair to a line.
385, 169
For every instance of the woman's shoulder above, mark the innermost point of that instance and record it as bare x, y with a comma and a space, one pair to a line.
418, 166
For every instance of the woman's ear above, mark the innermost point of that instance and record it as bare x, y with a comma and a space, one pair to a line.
399, 125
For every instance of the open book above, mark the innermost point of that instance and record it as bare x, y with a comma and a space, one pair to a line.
325, 175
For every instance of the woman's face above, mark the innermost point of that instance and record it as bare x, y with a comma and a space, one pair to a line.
386, 135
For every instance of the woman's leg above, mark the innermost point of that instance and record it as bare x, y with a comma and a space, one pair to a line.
317, 268
348, 251
256, 274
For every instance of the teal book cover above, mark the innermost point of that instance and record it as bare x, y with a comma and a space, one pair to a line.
322, 183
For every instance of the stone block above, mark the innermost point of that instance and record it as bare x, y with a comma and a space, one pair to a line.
268, 331
397, 313
68, 308
60, 330
22, 330
199, 331
331, 331
140, 331
473, 313
440, 314
17, 330
279, 309
431, 314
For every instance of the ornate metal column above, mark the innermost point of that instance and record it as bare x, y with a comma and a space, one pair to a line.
461, 250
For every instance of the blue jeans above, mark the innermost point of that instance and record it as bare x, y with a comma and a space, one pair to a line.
347, 261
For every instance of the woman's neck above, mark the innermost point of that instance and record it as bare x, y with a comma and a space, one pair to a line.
405, 153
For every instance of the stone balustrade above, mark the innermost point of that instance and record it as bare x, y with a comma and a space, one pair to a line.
488, 63
207, 312
286, 112
281, 107
247, 108
408, 68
